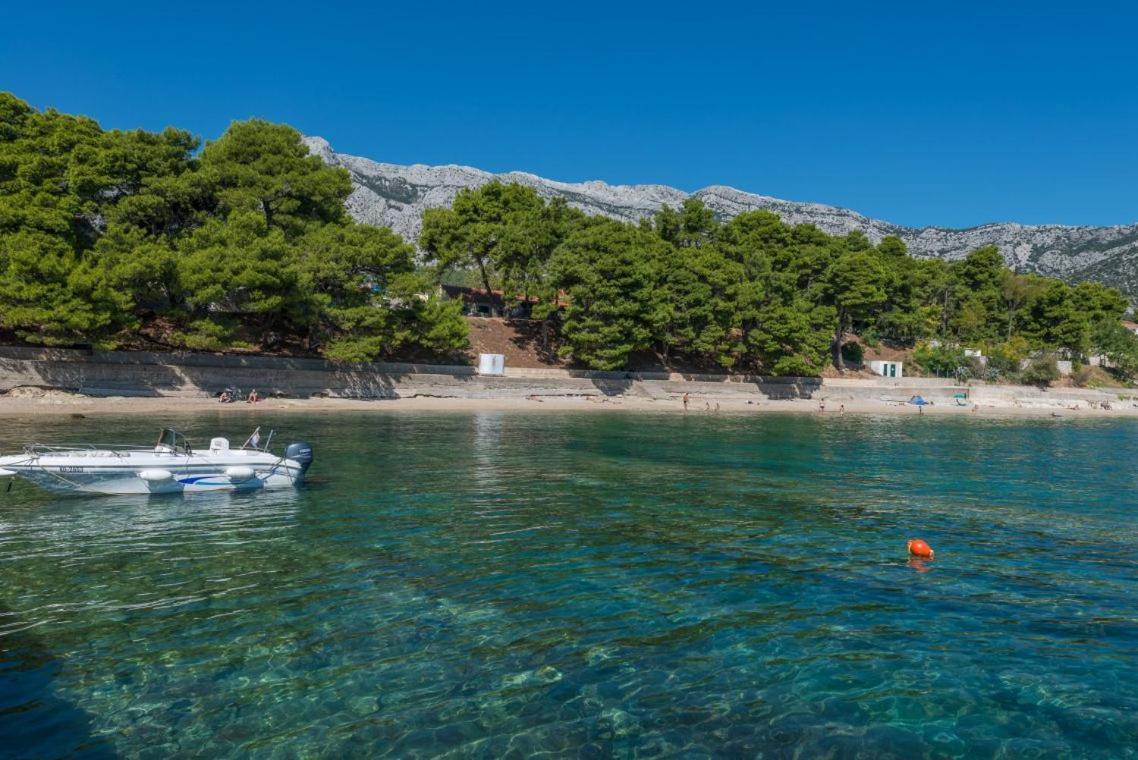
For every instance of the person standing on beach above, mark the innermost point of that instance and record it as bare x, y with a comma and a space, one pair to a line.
686, 399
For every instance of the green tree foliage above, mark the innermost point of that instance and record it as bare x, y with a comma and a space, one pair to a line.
752, 294
609, 272
103, 232
62, 181
980, 278
364, 296
485, 227
784, 324
940, 359
1005, 359
111, 235
857, 284
1118, 345
264, 168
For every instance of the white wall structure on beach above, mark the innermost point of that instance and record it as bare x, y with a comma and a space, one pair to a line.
491, 364
886, 369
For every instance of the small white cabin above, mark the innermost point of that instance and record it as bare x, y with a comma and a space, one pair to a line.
491, 364
886, 369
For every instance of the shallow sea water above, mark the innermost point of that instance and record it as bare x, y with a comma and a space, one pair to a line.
586, 585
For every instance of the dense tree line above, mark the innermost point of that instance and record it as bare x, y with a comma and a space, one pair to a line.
141, 238
757, 294
106, 235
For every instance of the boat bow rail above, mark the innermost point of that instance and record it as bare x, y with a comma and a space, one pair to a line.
78, 449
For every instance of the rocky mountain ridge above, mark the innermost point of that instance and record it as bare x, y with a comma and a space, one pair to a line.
394, 195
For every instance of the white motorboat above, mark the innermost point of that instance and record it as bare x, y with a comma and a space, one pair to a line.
170, 466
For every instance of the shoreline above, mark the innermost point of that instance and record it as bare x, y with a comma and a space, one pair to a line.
59, 403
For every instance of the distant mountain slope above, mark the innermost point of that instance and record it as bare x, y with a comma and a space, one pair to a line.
395, 196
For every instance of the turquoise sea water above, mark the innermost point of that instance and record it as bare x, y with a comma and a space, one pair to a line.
587, 585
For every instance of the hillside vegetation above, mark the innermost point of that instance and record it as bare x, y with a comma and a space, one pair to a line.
104, 234
757, 294
142, 238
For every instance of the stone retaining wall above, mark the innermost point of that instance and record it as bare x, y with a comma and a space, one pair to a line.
141, 373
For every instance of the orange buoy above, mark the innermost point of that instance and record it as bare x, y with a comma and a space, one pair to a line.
919, 548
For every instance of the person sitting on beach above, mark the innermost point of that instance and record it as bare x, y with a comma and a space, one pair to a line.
252, 399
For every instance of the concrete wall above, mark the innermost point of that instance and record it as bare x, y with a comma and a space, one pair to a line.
120, 373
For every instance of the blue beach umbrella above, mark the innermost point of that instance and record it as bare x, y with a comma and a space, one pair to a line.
918, 401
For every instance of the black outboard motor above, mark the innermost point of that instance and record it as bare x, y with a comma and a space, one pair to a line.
301, 453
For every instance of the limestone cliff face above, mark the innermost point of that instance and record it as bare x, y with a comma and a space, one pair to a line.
395, 196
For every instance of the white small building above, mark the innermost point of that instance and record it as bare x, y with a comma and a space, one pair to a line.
491, 364
886, 369
976, 355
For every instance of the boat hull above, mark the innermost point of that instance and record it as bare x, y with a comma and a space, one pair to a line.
141, 474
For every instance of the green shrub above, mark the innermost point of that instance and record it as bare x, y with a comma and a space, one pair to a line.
1118, 345
940, 360
205, 335
1041, 371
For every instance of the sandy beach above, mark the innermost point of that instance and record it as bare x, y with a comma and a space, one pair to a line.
62, 403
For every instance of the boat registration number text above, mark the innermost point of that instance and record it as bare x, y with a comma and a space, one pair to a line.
67, 468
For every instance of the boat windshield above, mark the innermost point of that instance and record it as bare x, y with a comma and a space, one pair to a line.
173, 441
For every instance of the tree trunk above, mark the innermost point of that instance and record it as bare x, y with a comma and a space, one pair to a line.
485, 276
836, 346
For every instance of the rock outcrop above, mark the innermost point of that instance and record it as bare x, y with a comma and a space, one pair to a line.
395, 196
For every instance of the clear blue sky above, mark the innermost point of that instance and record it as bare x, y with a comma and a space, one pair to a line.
951, 113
